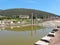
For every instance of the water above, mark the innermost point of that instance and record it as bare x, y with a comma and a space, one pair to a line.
27, 37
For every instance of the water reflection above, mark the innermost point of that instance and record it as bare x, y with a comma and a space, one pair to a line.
25, 37
20, 28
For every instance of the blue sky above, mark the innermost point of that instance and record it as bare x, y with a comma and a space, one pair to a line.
52, 6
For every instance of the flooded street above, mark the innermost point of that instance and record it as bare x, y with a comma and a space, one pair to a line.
25, 37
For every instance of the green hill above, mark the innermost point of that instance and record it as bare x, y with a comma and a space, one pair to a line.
22, 11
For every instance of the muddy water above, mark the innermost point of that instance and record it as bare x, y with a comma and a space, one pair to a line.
27, 37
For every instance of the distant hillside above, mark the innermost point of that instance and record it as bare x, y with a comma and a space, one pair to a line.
22, 11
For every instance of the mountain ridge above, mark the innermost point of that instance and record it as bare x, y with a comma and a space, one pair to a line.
23, 11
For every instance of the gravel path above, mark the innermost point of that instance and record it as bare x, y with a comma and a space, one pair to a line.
53, 23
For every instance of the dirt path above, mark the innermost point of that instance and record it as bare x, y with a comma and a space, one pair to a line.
56, 40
